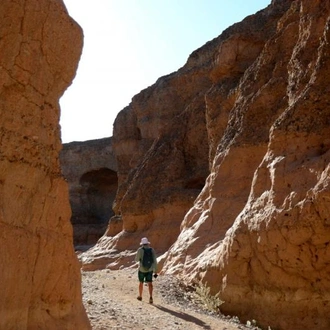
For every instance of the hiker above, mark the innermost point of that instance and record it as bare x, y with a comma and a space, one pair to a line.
147, 259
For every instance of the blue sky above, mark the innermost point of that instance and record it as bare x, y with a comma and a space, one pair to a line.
128, 45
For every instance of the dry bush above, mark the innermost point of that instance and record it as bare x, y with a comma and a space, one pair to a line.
210, 302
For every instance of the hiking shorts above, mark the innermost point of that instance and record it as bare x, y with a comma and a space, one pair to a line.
145, 277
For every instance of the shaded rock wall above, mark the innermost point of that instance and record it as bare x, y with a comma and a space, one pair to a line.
248, 115
90, 169
40, 276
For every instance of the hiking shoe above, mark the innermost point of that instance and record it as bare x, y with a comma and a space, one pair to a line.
151, 300
139, 298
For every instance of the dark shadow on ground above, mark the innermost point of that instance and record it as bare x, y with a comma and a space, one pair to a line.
184, 316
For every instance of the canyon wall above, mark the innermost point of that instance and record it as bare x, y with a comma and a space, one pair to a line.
90, 168
163, 146
40, 46
224, 166
259, 232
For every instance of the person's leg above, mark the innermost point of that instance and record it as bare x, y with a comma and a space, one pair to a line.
150, 286
140, 289
141, 280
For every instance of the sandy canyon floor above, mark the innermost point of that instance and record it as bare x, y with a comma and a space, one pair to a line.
110, 301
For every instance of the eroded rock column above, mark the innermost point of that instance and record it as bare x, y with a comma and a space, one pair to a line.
40, 46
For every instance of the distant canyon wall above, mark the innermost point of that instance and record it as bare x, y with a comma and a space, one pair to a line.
40, 285
90, 169
224, 166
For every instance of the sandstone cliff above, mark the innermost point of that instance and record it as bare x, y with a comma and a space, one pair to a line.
224, 165
40, 46
90, 169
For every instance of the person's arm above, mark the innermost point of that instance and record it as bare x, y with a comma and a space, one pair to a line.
138, 255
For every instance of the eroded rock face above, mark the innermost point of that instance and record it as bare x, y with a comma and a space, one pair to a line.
90, 169
249, 114
40, 277
259, 233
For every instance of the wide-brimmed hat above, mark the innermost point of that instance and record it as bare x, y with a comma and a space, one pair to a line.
144, 241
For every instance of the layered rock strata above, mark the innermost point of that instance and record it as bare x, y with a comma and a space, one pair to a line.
224, 165
90, 169
40, 286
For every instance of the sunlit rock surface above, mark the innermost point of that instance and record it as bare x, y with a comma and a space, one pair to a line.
40, 287
224, 166
259, 232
